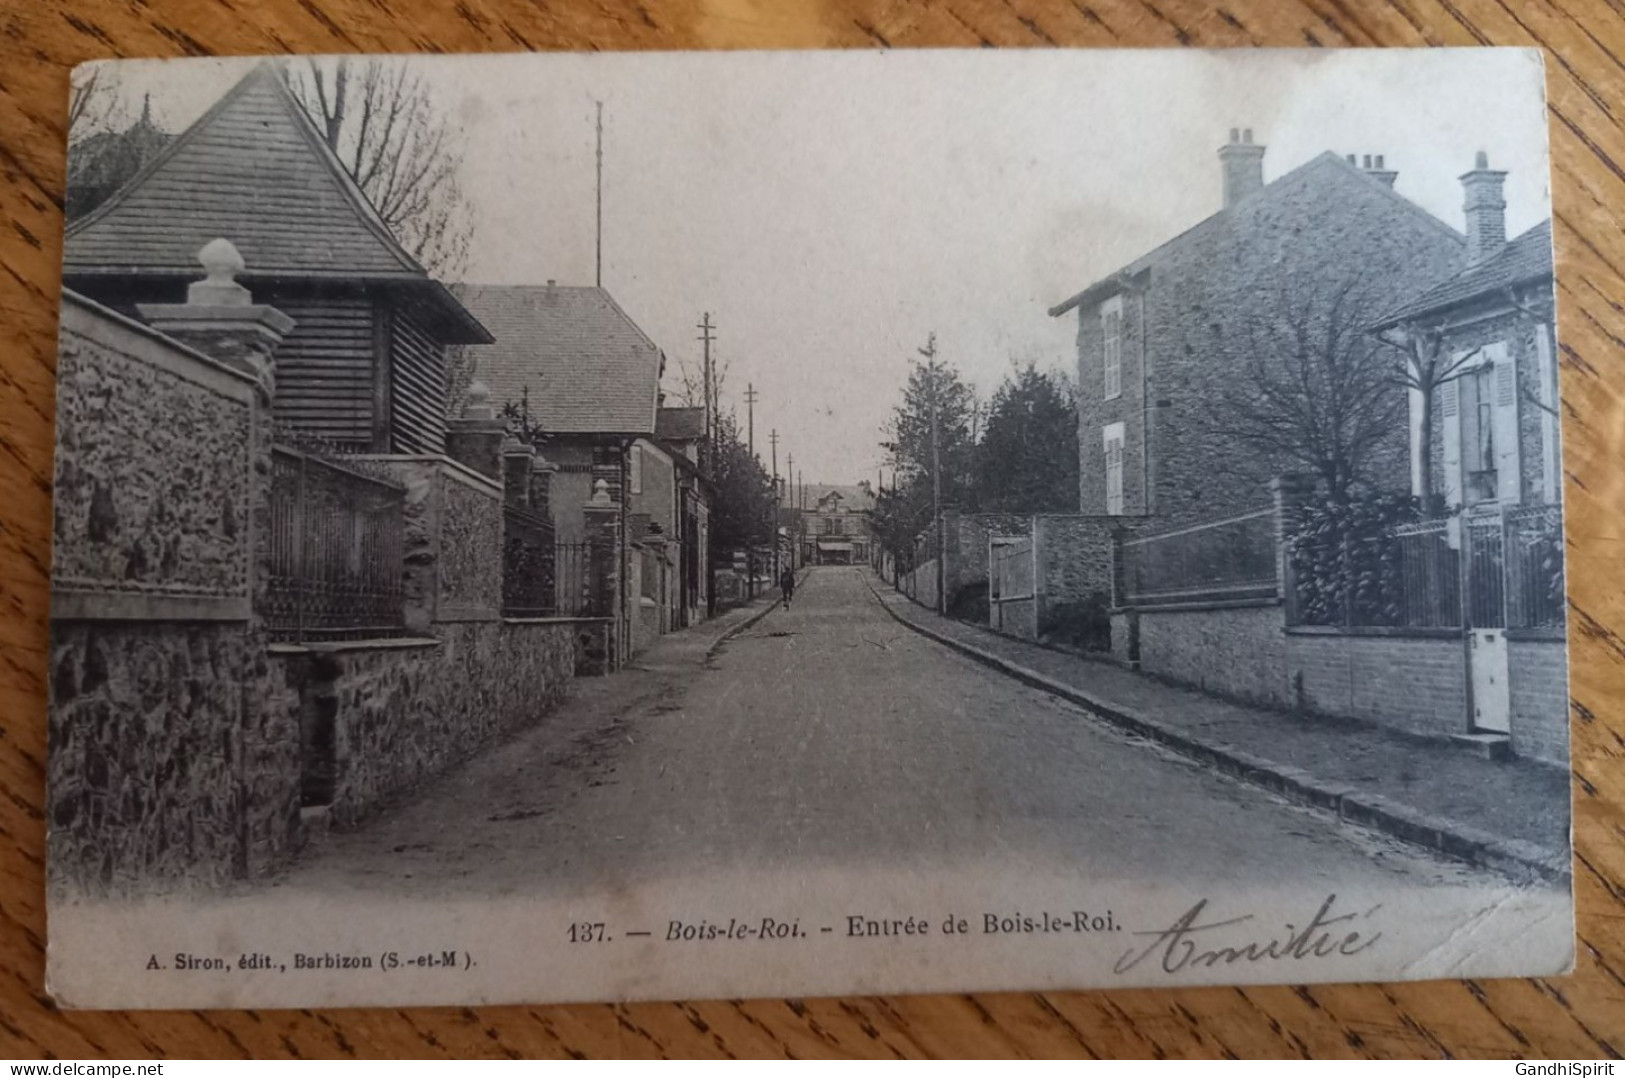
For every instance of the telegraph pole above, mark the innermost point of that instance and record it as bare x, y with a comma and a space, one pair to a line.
790, 485
773, 529
751, 397
705, 338
600, 252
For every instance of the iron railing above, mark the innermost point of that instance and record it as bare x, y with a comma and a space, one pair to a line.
1501, 569
1532, 546
336, 538
580, 584
1225, 560
528, 558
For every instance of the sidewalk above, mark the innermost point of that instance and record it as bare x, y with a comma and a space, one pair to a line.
1511, 815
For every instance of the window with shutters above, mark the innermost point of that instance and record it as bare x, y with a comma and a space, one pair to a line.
1478, 460
1111, 347
1112, 436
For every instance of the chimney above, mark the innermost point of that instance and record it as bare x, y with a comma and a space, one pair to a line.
1373, 167
1486, 210
1243, 166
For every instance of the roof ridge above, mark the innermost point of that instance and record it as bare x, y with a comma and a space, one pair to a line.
347, 183
348, 188
174, 146
1284, 182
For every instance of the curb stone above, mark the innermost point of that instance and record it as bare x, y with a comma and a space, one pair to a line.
1515, 857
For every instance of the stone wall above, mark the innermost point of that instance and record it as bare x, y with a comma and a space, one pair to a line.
1413, 680
1232, 651
404, 711
151, 496
1074, 561
173, 748
1538, 671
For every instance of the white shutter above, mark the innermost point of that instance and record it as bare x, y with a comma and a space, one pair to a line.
1112, 439
1450, 416
1508, 455
1548, 416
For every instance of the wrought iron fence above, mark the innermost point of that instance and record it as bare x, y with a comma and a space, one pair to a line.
1229, 559
579, 570
528, 559
1491, 570
336, 536
1532, 545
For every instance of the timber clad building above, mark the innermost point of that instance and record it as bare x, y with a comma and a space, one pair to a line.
364, 366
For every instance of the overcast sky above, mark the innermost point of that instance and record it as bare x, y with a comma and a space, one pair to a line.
832, 209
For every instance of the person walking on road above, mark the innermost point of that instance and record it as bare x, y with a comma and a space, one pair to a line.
787, 586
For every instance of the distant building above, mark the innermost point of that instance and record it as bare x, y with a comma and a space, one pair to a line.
1495, 427
587, 379
100, 164
1157, 338
835, 524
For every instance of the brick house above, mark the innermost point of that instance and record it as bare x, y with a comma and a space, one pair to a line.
1157, 337
587, 379
364, 366
1493, 452
1495, 439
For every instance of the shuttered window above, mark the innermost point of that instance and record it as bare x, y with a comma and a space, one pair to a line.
1112, 437
1111, 346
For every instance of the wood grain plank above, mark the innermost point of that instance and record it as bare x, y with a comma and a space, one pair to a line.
1582, 1015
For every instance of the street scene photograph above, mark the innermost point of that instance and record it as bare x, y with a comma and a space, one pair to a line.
649, 526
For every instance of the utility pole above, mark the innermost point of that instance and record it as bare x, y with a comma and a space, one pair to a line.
930, 354
790, 485
773, 530
705, 338
751, 397
600, 252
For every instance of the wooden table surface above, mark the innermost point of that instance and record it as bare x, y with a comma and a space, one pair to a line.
1578, 1016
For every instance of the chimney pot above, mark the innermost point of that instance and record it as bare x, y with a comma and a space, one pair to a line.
1365, 162
1485, 210
551, 282
1379, 160
1243, 164
1247, 136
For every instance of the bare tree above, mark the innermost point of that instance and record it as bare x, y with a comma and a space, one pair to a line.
384, 125
92, 102
1311, 386
1424, 369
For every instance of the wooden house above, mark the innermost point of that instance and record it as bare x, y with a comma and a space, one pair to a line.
365, 365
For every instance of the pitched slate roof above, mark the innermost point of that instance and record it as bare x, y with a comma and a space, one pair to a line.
1316, 169
587, 366
253, 170
680, 424
854, 499
1524, 260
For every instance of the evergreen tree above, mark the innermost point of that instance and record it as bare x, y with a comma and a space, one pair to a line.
933, 428
1027, 460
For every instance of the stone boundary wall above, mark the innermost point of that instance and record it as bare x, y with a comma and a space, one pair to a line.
1413, 681
397, 713
1239, 652
1074, 561
1538, 669
173, 750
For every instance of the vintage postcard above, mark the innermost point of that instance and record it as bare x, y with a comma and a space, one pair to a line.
600, 527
